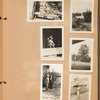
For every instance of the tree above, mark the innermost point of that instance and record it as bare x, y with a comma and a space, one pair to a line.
87, 16
74, 57
84, 53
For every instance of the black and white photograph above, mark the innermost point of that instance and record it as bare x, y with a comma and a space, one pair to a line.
81, 16
52, 43
45, 10
51, 81
80, 87
81, 54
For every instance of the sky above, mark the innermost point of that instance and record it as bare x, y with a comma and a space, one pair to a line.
56, 67
79, 6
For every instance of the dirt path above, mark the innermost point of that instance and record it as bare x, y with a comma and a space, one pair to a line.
51, 94
84, 96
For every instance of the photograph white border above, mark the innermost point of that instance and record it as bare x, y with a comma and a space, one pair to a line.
92, 22
45, 20
70, 70
41, 28
41, 80
90, 85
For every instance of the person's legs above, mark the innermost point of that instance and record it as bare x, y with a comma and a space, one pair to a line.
50, 84
78, 94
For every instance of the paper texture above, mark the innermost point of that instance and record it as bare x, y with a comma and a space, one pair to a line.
21, 52
0, 48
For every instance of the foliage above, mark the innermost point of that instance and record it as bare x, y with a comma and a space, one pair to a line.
84, 50
56, 5
76, 22
83, 54
45, 75
87, 16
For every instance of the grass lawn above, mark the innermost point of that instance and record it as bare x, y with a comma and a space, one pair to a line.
84, 96
83, 27
75, 65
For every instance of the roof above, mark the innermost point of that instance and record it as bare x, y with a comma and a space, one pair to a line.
83, 81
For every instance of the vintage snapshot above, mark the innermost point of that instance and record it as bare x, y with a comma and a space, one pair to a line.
52, 43
45, 10
80, 87
81, 16
81, 54
51, 81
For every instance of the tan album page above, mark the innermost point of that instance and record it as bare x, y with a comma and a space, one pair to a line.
50, 50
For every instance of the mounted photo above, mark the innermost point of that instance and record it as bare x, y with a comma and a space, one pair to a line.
81, 16
80, 87
51, 81
45, 10
81, 54
52, 43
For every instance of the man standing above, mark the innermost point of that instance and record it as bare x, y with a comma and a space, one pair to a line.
51, 81
78, 92
47, 82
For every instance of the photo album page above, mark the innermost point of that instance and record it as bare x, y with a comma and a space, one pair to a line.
49, 50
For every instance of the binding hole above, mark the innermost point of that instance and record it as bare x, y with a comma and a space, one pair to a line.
4, 82
5, 18
0, 17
